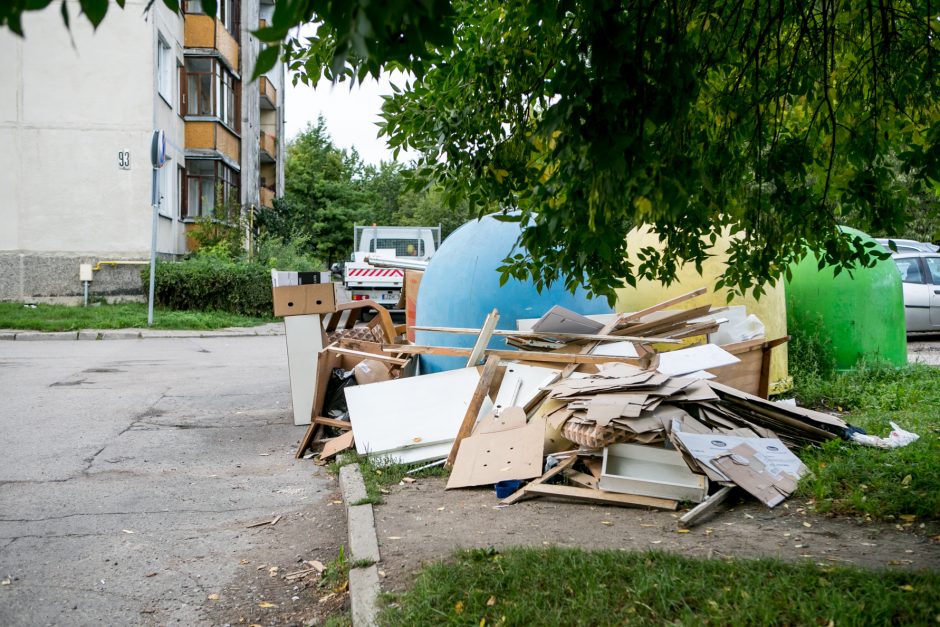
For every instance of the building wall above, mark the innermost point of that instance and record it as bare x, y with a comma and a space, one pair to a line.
71, 102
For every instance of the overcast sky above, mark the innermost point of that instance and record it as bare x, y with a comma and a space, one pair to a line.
350, 114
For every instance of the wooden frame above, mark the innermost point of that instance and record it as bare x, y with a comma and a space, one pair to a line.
752, 373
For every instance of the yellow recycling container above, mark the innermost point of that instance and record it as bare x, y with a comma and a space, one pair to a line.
771, 308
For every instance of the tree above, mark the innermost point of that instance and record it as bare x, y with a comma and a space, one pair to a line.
589, 117
324, 194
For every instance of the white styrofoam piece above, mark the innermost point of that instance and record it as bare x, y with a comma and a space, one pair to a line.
650, 471
694, 358
616, 349
304, 336
533, 378
406, 415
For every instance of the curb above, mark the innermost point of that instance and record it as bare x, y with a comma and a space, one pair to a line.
363, 545
8, 335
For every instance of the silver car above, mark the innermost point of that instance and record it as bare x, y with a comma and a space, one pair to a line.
920, 275
907, 245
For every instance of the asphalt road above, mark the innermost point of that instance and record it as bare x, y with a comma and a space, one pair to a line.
130, 469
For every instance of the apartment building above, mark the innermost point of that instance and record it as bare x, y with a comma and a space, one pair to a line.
77, 112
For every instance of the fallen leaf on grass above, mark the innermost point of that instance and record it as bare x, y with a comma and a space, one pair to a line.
266, 604
6, 582
150, 575
907, 587
682, 531
394, 537
806, 524
606, 522
318, 565
213, 597
908, 517
490, 602
408, 480
336, 502
906, 481
458, 607
441, 509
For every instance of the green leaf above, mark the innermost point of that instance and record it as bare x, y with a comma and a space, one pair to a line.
95, 10
267, 59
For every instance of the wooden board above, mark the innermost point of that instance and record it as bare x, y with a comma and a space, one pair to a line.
304, 337
412, 413
474, 407
599, 496
533, 356
336, 445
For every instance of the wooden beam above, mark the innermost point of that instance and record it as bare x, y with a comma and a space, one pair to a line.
483, 339
599, 496
509, 355
705, 508
473, 409
390, 348
560, 467
666, 304
561, 336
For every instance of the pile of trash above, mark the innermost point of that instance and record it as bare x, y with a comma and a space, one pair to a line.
584, 409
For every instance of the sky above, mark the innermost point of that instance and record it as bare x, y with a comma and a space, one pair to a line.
350, 114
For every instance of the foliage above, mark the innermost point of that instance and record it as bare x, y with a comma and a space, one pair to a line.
291, 253
773, 120
574, 587
213, 283
224, 231
382, 472
117, 316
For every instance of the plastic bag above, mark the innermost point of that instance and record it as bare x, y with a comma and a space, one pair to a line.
896, 439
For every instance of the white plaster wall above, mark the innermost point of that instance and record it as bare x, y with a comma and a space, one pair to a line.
73, 109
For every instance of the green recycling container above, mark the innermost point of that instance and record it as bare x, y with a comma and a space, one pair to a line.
856, 316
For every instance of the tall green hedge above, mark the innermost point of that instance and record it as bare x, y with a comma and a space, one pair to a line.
212, 284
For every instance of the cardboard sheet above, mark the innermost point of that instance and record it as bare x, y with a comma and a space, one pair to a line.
487, 458
695, 358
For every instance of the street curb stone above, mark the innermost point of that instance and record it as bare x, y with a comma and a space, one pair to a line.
364, 608
266, 330
364, 587
363, 545
33, 336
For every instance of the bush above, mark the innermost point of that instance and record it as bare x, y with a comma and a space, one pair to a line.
213, 283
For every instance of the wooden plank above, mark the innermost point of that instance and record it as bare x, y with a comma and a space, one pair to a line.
563, 336
653, 327
563, 465
332, 422
666, 304
336, 445
483, 340
580, 478
509, 355
390, 348
473, 410
706, 508
599, 496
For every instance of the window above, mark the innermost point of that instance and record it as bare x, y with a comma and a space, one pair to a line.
910, 270
933, 268
165, 66
403, 247
211, 90
208, 183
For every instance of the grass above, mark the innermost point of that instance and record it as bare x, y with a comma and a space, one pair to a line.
376, 474
849, 479
117, 316
558, 586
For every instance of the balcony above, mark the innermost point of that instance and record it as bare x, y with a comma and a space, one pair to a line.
268, 93
213, 136
268, 144
266, 196
202, 31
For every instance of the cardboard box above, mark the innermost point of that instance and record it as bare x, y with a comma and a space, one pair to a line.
297, 300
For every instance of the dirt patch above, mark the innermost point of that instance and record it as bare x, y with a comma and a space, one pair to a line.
421, 523
267, 589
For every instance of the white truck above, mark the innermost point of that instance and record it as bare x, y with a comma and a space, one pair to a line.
401, 244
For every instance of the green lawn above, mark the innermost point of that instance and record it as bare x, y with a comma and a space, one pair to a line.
890, 484
570, 587
118, 316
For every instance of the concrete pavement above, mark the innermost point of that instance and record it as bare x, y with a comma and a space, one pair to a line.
130, 470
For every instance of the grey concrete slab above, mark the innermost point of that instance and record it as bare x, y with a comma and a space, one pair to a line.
363, 544
131, 469
352, 485
32, 336
364, 591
